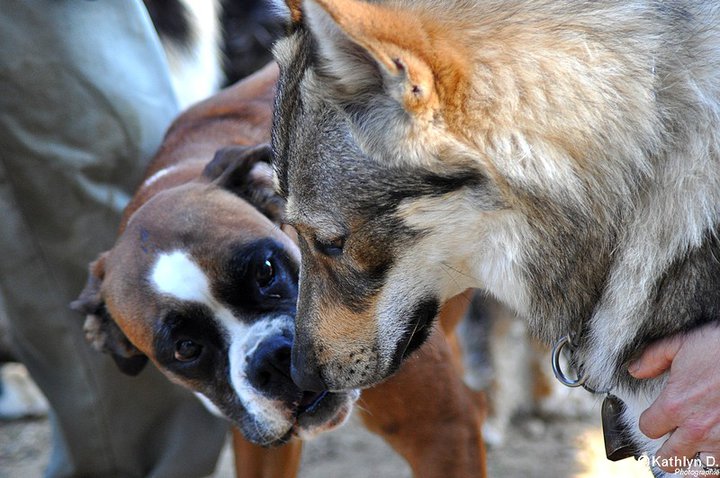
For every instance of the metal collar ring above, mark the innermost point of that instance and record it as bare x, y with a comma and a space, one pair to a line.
557, 369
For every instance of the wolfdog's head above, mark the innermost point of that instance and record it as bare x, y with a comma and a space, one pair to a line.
411, 172
378, 225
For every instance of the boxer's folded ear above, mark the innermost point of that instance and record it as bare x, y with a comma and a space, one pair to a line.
246, 171
105, 336
90, 298
101, 331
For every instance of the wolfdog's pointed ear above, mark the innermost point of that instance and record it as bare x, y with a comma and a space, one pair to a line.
101, 331
246, 171
366, 46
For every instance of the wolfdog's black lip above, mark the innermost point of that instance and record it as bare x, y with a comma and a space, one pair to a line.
418, 329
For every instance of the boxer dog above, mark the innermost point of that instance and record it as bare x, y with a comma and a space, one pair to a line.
202, 281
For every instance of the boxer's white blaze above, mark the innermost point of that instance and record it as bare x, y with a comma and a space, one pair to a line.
175, 274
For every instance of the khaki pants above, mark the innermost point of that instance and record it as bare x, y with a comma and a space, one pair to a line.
84, 101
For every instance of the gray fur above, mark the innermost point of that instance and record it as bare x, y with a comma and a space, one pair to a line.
594, 210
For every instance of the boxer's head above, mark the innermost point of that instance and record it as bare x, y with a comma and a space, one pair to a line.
203, 283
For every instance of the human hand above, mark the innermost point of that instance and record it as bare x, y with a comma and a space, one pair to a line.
689, 405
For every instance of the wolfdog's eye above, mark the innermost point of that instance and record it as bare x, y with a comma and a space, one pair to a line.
330, 248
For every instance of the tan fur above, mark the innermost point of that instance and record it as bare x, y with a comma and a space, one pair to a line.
295, 7
202, 129
412, 55
388, 411
339, 325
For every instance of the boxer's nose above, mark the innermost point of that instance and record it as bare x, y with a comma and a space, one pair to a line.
269, 368
305, 372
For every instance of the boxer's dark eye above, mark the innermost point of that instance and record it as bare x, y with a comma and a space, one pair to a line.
332, 247
187, 350
265, 273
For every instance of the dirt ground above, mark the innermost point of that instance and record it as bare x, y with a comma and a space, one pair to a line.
559, 448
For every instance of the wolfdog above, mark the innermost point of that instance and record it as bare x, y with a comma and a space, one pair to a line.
564, 156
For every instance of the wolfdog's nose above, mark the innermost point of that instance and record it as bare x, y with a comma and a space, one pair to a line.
311, 382
305, 373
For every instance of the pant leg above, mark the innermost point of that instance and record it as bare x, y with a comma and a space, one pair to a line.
84, 101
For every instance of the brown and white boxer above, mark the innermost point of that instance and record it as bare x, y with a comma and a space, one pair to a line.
202, 281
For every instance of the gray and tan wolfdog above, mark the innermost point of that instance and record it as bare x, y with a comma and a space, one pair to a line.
562, 155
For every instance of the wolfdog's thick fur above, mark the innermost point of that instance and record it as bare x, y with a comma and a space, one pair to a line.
562, 155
